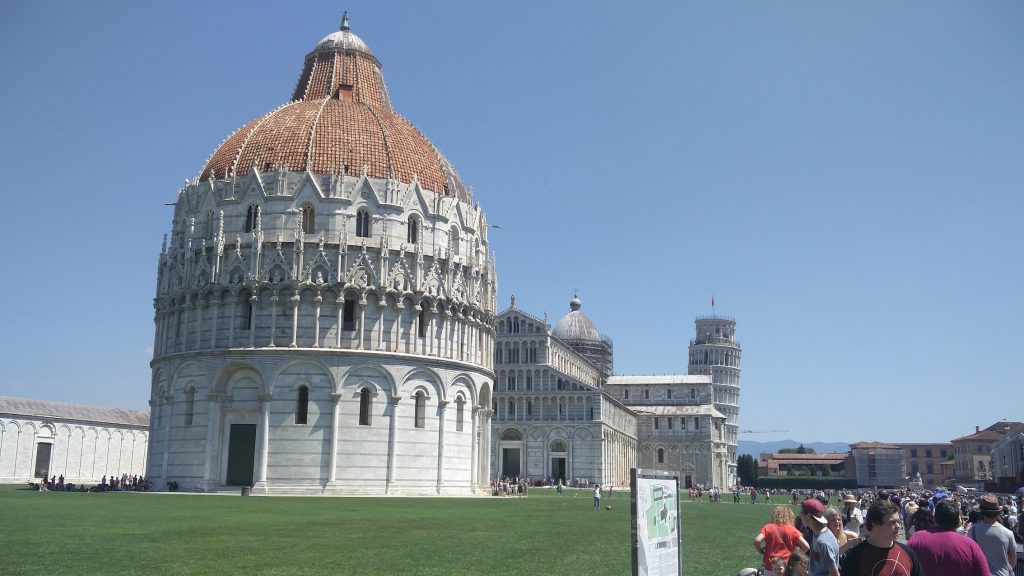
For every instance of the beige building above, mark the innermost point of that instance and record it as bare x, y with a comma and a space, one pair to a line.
973, 453
927, 460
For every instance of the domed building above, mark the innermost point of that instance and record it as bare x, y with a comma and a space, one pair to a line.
559, 413
325, 303
576, 330
553, 419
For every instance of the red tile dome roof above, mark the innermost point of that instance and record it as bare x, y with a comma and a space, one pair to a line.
339, 122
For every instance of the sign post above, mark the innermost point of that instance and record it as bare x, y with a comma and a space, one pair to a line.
654, 496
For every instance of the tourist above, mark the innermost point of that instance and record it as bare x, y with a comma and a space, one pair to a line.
881, 548
852, 516
597, 497
779, 537
824, 553
845, 538
798, 564
996, 541
921, 519
943, 551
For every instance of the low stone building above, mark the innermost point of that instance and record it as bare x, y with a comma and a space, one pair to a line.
793, 464
40, 439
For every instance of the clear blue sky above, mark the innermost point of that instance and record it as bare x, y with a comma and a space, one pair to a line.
844, 177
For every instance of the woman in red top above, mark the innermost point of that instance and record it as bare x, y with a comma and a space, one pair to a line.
778, 538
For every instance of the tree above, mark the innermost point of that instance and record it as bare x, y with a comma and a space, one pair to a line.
746, 469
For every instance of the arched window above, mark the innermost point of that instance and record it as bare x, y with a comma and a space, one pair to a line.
421, 410
625, 393
365, 404
363, 224
413, 230
454, 236
422, 329
308, 219
348, 319
190, 405
668, 393
209, 224
251, 216
244, 312
460, 413
302, 408
661, 455
647, 394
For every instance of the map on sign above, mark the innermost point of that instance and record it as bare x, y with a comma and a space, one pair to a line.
656, 550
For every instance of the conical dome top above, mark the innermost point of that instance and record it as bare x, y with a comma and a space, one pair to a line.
340, 121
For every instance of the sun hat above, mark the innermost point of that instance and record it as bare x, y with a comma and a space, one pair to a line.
989, 505
814, 509
849, 499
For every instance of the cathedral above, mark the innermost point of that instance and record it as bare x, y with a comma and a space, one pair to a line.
325, 304
561, 415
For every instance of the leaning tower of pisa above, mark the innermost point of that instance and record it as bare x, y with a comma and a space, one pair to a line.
715, 352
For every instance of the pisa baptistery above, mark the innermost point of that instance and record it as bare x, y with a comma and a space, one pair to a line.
325, 303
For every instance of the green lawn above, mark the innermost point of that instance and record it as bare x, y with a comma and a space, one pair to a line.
125, 533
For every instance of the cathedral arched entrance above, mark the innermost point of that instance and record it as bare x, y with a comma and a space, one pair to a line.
559, 461
510, 448
688, 471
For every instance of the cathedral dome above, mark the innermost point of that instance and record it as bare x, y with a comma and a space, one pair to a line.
340, 121
576, 326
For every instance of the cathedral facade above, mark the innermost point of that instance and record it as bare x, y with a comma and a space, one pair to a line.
561, 415
325, 303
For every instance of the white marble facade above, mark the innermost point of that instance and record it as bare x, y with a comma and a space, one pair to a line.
325, 304
553, 420
83, 443
560, 414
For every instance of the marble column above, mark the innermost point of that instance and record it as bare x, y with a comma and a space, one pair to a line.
211, 471
392, 444
295, 320
474, 446
263, 445
252, 321
317, 301
332, 485
442, 406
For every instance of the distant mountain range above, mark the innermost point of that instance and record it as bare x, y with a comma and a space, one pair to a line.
755, 448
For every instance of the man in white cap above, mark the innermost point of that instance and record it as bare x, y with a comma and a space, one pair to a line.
824, 553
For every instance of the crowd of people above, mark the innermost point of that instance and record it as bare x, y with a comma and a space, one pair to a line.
123, 483
895, 533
